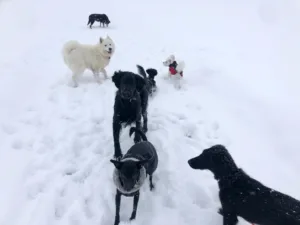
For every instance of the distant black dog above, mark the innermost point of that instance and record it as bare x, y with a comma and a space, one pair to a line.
243, 196
131, 104
102, 18
150, 82
131, 172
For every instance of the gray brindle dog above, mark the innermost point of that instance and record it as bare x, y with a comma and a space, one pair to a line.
131, 171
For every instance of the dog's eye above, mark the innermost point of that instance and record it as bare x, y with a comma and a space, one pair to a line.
105, 45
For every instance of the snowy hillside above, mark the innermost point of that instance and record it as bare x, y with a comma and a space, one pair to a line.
241, 90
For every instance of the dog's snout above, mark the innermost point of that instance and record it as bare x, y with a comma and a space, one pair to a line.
110, 49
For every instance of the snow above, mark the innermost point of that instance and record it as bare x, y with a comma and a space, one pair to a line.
241, 89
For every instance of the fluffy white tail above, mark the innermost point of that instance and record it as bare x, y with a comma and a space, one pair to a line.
68, 48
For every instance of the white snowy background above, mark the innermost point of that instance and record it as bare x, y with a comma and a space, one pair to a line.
241, 89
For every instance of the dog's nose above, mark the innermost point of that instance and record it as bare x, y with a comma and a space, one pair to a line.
109, 49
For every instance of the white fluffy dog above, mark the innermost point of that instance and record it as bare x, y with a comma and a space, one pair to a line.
79, 57
175, 72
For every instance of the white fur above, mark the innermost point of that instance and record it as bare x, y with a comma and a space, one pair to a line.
79, 57
180, 67
137, 186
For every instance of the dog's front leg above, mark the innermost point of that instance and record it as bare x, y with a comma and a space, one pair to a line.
118, 205
96, 76
151, 183
104, 73
116, 134
229, 218
137, 137
135, 205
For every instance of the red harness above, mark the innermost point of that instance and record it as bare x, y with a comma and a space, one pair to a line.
173, 71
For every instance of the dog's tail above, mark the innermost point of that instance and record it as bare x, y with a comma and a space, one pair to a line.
151, 72
134, 129
180, 66
141, 71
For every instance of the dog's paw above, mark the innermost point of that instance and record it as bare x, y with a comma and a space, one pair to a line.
152, 187
133, 215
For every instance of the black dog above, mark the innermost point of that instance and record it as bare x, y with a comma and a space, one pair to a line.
150, 82
131, 104
243, 196
131, 172
102, 18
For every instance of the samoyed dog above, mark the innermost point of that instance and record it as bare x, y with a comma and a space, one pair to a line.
79, 57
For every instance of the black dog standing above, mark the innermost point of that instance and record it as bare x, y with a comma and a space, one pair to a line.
131, 104
243, 196
102, 18
130, 173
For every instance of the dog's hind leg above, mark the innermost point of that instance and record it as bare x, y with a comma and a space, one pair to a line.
118, 205
135, 205
145, 113
151, 183
75, 78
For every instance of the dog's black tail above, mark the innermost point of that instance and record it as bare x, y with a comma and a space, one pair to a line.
141, 71
151, 72
134, 129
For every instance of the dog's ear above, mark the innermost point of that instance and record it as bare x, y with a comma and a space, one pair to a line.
117, 164
140, 82
141, 163
101, 40
116, 78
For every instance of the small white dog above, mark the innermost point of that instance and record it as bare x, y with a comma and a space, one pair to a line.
79, 57
175, 70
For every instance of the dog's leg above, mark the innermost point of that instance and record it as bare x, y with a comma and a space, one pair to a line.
151, 183
104, 73
116, 134
118, 205
96, 76
137, 137
74, 79
92, 22
145, 116
135, 205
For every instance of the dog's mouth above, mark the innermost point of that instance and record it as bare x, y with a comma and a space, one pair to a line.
109, 51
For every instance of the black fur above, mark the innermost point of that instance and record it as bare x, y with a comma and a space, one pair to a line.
243, 196
130, 106
129, 171
150, 82
102, 18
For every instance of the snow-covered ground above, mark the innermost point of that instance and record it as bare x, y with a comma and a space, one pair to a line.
241, 90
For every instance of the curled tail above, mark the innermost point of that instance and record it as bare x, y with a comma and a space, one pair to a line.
134, 129
141, 71
151, 72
